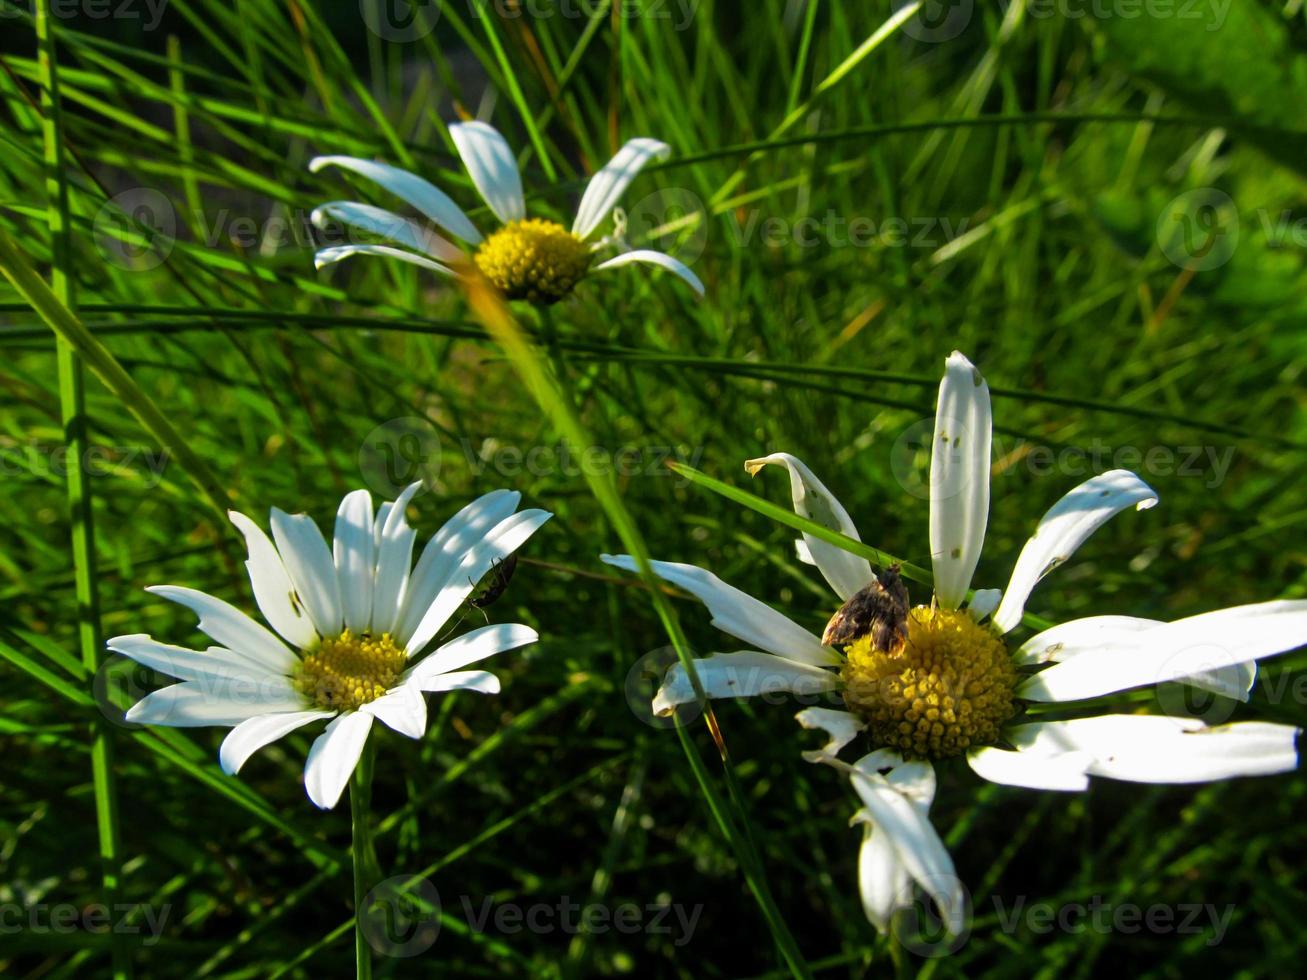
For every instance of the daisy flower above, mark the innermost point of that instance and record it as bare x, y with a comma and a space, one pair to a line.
534, 259
926, 683
350, 622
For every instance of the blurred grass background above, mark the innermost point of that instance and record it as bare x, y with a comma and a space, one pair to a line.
1106, 213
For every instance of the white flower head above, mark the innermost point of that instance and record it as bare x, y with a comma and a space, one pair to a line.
944, 682
532, 259
349, 625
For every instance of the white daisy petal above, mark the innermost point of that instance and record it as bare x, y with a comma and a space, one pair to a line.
1064, 529
410, 188
272, 587
841, 726
1210, 641
254, 733
311, 568
898, 805
983, 603
403, 709
215, 663
481, 681
660, 259
333, 757
1235, 681
445, 552
394, 560
741, 675
1162, 749
883, 881
491, 165
231, 627
847, 573
959, 479
507, 536
1070, 639
607, 186
193, 704
738, 614
1066, 771
388, 225
470, 648
355, 562
337, 253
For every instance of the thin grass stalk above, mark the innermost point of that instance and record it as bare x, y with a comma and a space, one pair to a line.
72, 407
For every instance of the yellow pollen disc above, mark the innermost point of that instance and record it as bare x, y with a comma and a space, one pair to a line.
948, 688
348, 671
533, 259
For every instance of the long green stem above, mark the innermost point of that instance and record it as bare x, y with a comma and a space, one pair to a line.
365, 858
72, 405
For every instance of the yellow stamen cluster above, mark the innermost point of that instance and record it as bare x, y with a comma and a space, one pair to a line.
348, 671
533, 259
948, 688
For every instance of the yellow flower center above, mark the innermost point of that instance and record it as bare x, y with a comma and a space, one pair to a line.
348, 671
948, 688
533, 259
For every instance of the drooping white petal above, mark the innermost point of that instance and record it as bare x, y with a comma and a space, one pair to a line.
847, 573
446, 551
469, 649
1066, 771
660, 259
215, 663
507, 536
841, 726
394, 560
493, 170
1172, 651
337, 253
254, 733
1235, 681
311, 568
738, 614
898, 806
388, 225
355, 562
959, 479
403, 709
410, 188
983, 602
193, 704
607, 186
481, 681
883, 880
272, 587
231, 627
1064, 529
1163, 749
333, 757
742, 675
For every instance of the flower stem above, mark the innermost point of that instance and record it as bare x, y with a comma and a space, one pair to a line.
365, 857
